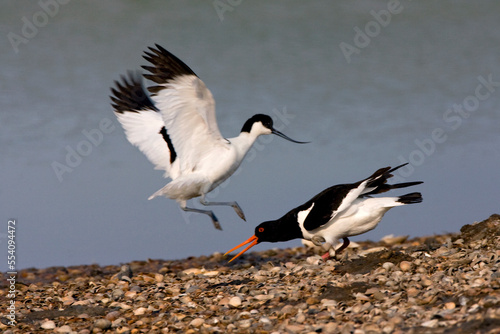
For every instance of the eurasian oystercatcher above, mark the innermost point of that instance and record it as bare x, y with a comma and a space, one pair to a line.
176, 128
338, 212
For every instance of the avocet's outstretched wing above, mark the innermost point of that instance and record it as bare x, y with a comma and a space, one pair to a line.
186, 105
142, 122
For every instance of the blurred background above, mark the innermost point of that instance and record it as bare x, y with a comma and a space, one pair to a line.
369, 83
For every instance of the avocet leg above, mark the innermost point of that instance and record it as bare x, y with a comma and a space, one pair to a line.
209, 213
234, 205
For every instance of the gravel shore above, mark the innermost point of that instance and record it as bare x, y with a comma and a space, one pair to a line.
439, 284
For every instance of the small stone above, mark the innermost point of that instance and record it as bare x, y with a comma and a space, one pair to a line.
314, 260
159, 278
300, 318
235, 301
392, 240
312, 301
243, 315
361, 296
192, 271
212, 273
431, 323
427, 282
68, 300
295, 328
192, 289
125, 273
412, 292
265, 321
330, 328
63, 329
405, 265
224, 301
450, 305
287, 309
371, 328
328, 302
118, 322
48, 325
372, 250
387, 329
378, 295
263, 297
130, 294
260, 278
245, 323
197, 322
147, 279
117, 294
140, 311
388, 266
102, 323
113, 315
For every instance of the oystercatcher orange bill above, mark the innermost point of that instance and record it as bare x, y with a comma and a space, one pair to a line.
253, 240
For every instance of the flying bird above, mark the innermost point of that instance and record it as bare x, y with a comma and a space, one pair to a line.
176, 128
338, 212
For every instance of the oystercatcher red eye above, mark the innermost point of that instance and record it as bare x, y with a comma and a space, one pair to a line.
261, 229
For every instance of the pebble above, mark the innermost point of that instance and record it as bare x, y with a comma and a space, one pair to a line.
450, 305
436, 284
140, 311
300, 318
197, 322
49, 324
117, 294
431, 323
102, 323
405, 265
388, 266
235, 301
63, 329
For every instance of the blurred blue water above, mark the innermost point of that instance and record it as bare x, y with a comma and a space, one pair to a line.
409, 92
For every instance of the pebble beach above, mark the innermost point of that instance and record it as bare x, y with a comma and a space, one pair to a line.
437, 284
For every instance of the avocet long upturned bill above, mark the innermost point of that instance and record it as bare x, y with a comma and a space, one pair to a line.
176, 129
338, 212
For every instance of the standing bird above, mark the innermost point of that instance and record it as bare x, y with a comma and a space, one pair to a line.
340, 211
176, 129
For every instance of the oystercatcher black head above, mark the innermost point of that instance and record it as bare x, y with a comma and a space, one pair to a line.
336, 213
283, 229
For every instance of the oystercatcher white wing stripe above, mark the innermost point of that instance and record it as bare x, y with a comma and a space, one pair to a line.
351, 196
332, 202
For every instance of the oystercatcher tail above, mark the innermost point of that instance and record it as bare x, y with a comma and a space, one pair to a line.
338, 212
176, 128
